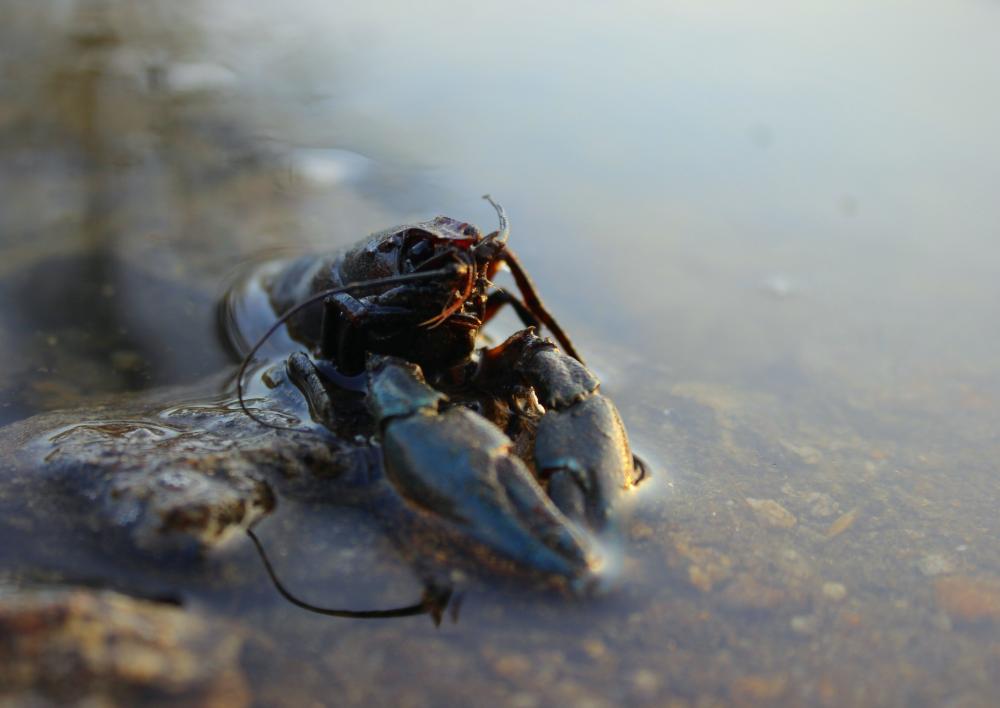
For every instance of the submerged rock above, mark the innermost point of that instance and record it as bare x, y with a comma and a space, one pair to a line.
100, 646
158, 478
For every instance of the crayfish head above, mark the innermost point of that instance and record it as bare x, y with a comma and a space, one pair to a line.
453, 306
436, 321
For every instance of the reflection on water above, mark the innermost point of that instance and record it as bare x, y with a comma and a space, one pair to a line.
771, 230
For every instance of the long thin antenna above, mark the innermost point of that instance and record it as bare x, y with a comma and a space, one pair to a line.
499, 236
432, 603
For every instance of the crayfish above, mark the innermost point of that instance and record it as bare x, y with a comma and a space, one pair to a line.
511, 447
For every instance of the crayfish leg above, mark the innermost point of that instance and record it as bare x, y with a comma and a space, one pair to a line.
534, 304
498, 298
302, 372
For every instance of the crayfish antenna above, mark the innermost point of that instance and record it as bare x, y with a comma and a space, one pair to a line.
433, 602
458, 300
499, 237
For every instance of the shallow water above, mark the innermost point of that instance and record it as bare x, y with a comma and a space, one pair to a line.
772, 231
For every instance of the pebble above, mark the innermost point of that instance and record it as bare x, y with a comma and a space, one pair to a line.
512, 666
834, 591
707, 575
646, 682
594, 648
699, 579
771, 513
640, 531
804, 624
708, 567
935, 564
328, 167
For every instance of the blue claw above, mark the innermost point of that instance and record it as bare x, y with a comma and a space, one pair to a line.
460, 467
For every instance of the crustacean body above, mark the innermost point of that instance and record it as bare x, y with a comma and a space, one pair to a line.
511, 447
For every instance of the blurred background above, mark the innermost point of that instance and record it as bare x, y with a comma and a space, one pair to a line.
772, 228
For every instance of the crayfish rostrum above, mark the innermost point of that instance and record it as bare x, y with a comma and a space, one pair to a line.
511, 447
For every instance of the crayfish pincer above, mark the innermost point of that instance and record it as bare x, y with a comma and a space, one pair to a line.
458, 465
512, 447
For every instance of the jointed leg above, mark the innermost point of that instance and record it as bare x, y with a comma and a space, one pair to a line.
499, 298
303, 373
534, 303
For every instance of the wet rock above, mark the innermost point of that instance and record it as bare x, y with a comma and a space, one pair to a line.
183, 478
107, 648
182, 502
967, 599
771, 513
160, 484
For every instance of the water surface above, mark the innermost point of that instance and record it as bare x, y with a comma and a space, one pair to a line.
772, 230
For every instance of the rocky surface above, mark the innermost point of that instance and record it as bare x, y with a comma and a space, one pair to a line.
183, 477
102, 648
